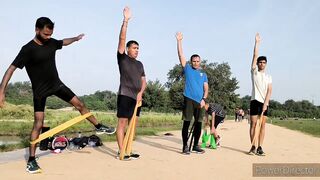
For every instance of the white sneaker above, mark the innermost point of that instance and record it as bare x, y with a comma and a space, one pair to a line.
218, 141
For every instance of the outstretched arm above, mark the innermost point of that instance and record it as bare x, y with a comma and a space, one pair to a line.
123, 31
68, 41
4, 83
182, 59
256, 51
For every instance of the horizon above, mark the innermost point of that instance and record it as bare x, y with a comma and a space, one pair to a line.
91, 93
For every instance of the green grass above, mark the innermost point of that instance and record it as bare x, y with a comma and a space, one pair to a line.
148, 124
18, 121
308, 126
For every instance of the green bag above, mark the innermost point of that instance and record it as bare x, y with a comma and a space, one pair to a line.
207, 137
212, 142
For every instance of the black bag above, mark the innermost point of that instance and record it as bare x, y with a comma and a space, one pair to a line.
44, 144
81, 142
94, 141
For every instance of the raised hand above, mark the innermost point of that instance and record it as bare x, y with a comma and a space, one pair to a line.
258, 39
80, 36
179, 36
126, 13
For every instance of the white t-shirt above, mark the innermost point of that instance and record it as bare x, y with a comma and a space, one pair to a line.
260, 82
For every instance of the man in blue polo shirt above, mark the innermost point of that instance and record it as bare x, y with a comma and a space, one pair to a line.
195, 94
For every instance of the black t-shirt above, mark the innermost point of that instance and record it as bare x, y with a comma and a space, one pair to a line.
131, 71
40, 64
217, 109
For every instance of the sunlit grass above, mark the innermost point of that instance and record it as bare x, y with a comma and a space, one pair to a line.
148, 124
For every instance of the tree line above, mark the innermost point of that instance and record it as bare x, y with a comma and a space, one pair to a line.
168, 97
289, 109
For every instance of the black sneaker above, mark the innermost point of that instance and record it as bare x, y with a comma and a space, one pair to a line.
125, 157
33, 167
252, 150
185, 150
134, 156
105, 129
197, 150
260, 151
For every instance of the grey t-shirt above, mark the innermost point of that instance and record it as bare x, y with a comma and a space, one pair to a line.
131, 71
217, 109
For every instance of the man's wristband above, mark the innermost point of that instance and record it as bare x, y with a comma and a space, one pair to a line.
205, 99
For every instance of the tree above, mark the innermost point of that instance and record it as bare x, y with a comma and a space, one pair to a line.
156, 97
221, 85
54, 102
100, 100
245, 102
19, 93
175, 84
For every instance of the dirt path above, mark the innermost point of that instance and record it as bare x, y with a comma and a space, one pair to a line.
161, 158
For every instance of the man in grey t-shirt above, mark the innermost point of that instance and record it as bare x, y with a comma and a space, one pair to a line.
132, 81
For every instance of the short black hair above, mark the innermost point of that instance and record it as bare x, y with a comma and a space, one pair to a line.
194, 56
261, 58
132, 42
44, 22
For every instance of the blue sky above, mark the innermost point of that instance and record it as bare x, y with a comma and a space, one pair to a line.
219, 31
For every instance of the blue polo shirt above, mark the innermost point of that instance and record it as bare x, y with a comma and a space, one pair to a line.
194, 81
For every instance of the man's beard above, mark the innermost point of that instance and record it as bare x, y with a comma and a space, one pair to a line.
42, 40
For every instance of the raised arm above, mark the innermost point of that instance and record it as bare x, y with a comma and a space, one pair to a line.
68, 41
256, 51
182, 59
4, 83
123, 31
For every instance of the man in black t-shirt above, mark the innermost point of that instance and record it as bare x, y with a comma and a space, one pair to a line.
132, 82
38, 57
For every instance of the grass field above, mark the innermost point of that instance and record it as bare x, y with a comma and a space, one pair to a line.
148, 124
18, 121
308, 126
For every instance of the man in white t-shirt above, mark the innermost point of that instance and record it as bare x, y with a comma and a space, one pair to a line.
261, 92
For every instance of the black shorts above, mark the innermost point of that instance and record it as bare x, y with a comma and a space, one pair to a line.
217, 121
125, 107
256, 108
191, 109
63, 92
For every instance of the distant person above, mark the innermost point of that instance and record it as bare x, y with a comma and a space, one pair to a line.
217, 113
38, 56
261, 93
236, 115
132, 82
195, 94
241, 115
248, 116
